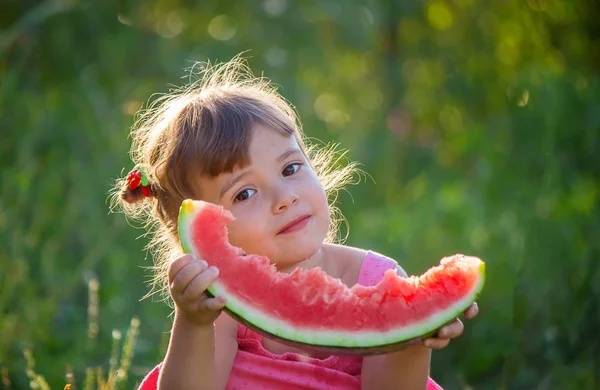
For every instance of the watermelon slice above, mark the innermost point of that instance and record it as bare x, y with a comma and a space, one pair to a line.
312, 310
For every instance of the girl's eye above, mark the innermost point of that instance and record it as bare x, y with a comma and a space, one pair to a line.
291, 169
245, 195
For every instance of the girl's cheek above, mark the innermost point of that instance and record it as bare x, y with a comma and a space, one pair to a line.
234, 229
243, 230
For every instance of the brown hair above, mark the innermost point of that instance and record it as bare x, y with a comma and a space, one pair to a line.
205, 129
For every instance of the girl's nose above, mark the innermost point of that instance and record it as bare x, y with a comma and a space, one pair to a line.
285, 198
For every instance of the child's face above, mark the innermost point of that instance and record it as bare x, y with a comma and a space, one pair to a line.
276, 189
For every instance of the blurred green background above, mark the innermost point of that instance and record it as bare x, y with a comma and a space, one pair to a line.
478, 123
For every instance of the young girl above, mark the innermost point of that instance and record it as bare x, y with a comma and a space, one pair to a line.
231, 139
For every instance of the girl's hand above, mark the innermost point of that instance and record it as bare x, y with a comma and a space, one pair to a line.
451, 330
188, 280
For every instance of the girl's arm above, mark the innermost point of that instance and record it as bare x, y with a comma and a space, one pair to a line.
199, 357
404, 370
203, 339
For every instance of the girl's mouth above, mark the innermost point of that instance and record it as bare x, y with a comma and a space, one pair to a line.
297, 224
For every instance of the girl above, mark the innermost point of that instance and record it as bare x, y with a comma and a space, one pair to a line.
233, 140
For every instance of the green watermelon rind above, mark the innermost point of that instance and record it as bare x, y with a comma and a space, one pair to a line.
325, 337
185, 214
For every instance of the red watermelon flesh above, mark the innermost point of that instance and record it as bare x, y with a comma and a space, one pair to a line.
312, 309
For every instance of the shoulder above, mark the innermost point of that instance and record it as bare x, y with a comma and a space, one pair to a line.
356, 256
344, 262
399, 270
350, 253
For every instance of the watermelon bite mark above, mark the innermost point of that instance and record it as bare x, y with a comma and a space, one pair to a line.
312, 310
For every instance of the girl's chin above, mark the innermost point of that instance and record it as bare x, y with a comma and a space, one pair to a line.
298, 253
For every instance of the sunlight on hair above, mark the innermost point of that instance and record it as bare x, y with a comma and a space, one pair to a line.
158, 135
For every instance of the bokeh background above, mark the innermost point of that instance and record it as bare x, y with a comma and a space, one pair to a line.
477, 122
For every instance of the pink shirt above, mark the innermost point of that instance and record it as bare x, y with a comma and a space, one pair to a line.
255, 368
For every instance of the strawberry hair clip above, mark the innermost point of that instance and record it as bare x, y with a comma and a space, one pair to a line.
137, 179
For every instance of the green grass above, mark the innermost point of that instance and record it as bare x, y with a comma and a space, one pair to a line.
113, 374
95, 376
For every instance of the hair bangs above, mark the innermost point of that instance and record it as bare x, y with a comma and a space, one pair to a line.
214, 137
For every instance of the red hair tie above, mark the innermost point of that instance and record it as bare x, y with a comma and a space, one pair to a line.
137, 178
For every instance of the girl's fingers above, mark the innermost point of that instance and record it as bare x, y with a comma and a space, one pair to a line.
177, 265
472, 311
436, 343
196, 288
452, 330
213, 304
186, 275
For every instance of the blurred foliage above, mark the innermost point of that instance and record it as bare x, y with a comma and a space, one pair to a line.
478, 122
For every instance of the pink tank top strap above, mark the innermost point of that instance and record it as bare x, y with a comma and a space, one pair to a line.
373, 268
